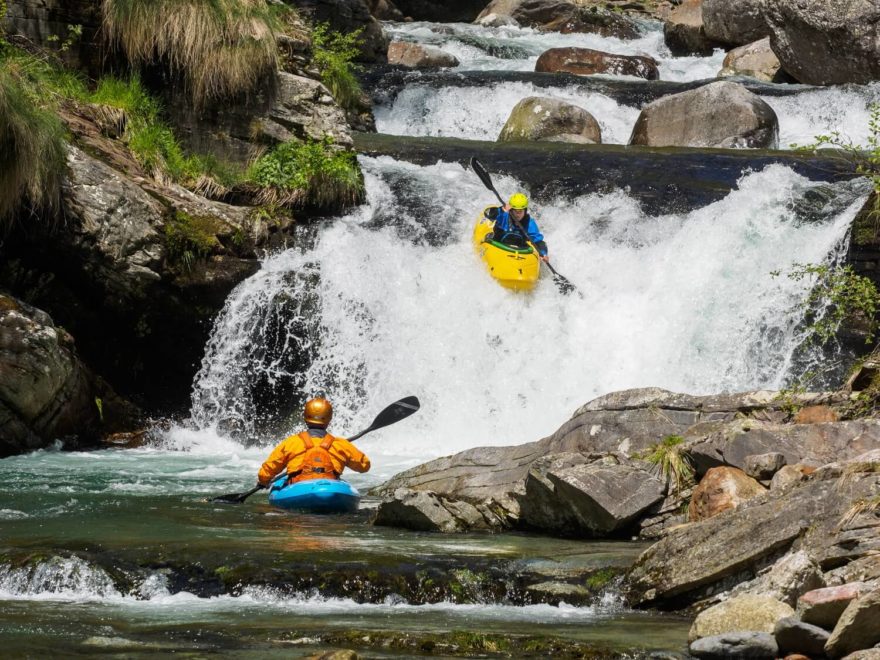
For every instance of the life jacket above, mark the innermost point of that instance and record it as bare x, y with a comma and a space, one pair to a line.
317, 462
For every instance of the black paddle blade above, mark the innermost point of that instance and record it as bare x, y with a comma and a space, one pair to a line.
395, 412
235, 498
565, 287
477, 167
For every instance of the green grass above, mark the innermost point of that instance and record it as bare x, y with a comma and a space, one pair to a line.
308, 174
221, 47
671, 461
33, 154
333, 54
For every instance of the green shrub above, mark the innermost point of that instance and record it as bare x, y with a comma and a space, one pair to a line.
838, 293
333, 54
221, 47
33, 154
190, 238
308, 173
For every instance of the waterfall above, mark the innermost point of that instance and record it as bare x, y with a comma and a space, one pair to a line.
390, 300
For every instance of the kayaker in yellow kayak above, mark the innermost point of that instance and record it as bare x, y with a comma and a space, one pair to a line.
313, 453
511, 220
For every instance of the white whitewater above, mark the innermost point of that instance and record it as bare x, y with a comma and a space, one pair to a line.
686, 302
479, 113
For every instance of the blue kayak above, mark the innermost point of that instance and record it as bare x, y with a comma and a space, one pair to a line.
315, 495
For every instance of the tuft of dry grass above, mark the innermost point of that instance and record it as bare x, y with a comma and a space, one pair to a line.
33, 156
221, 47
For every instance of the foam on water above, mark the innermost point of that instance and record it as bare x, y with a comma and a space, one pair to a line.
481, 48
73, 580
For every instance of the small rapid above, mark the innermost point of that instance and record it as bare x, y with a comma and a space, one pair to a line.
480, 112
479, 48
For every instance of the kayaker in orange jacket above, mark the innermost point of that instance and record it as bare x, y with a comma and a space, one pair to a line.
313, 453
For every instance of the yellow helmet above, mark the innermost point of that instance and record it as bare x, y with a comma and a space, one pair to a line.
318, 412
518, 201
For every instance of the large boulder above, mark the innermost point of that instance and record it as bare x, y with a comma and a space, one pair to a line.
732, 443
823, 606
548, 119
734, 22
826, 43
858, 627
755, 60
46, 392
720, 114
683, 30
697, 560
572, 494
626, 423
586, 61
721, 489
564, 16
739, 614
418, 56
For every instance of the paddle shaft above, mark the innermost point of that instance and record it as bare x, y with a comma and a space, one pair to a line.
487, 181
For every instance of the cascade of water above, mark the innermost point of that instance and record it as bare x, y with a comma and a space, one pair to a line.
479, 113
402, 306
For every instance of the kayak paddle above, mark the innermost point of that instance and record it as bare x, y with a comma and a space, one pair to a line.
564, 284
391, 415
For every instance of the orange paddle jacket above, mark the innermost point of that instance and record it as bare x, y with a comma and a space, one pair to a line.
293, 451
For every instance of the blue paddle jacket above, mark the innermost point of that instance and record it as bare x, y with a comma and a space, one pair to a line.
506, 231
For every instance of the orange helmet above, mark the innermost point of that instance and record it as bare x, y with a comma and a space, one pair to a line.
318, 412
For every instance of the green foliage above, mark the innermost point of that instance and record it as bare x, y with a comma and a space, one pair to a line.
333, 54
220, 47
154, 144
867, 162
308, 173
599, 579
838, 293
74, 33
99, 403
33, 155
671, 461
190, 238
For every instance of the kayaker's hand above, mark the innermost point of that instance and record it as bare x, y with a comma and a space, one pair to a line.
545, 258
506, 208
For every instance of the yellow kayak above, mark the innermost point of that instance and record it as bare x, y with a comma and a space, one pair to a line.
513, 267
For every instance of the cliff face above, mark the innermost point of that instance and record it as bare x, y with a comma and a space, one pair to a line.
164, 204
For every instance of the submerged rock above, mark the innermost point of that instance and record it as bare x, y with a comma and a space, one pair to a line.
418, 56
545, 118
720, 114
735, 22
